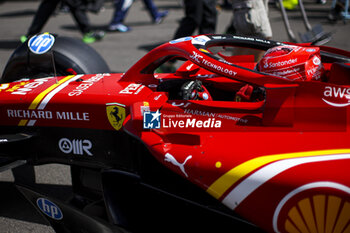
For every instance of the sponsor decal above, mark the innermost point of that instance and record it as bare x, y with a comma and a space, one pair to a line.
254, 39
25, 87
312, 70
207, 76
244, 38
16, 86
269, 65
286, 72
262, 41
86, 84
214, 115
73, 116
47, 115
219, 37
224, 61
310, 50
219, 68
266, 64
204, 50
189, 67
316, 60
181, 104
31, 114
182, 39
132, 88
115, 114
171, 159
252, 174
199, 112
43, 98
4, 86
195, 56
157, 97
232, 118
75, 146
318, 206
145, 108
200, 59
201, 40
42, 43
49, 208
337, 96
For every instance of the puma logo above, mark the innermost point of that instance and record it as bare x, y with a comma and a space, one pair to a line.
189, 66
171, 159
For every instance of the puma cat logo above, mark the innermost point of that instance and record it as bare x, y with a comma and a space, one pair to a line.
171, 159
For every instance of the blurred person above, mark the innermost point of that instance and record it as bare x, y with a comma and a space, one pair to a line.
337, 11
225, 4
199, 14
121, 9
250, 18
78, 10
290, 4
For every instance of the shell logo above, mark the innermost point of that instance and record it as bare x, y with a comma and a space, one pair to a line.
320, 207
319, 213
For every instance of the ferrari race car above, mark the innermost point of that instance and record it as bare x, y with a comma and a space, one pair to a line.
219, 145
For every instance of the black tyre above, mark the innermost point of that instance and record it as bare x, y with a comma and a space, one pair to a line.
70, 56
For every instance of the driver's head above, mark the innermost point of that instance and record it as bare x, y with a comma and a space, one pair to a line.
292, 62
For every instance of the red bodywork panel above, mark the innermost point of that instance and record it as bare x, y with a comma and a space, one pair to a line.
280, 162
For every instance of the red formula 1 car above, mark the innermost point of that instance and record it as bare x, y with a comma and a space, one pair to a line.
186, 150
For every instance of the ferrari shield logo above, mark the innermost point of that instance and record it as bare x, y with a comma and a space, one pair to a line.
116, 115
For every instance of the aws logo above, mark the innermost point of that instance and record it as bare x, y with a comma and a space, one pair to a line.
337, 96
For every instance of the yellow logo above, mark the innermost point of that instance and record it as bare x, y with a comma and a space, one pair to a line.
17, 86
116, 115
4, 86
321, 213
320, 207
204, 50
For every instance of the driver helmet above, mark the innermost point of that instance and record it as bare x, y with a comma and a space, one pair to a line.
292, 62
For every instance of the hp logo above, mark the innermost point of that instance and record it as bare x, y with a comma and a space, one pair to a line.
42, 43
49, 208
